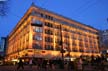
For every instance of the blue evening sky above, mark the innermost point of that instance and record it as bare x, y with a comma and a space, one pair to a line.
89, 12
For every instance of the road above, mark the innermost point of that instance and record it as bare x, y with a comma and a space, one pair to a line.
35, 68
27, 68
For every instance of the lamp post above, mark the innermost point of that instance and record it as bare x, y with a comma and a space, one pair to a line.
62, 51
61, 43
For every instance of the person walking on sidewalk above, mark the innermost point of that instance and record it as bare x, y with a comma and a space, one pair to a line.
20, 64
79, 64
31, 62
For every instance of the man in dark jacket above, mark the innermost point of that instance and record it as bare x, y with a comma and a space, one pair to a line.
20, 64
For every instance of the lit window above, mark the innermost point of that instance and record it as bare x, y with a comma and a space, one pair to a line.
38, 29
38, 37
48, 39
37, 46
47, 31
36, 21
48, 47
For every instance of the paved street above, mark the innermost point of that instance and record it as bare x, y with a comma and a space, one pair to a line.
26, 68
34, 68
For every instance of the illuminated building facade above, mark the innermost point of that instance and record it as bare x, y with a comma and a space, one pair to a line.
38, 34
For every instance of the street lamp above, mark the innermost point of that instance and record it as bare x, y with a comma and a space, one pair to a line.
62, 51
61, 43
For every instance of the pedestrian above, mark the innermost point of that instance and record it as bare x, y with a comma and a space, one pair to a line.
79, 64
39, 62
20, 64
30, 63
71, 66
102, 65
